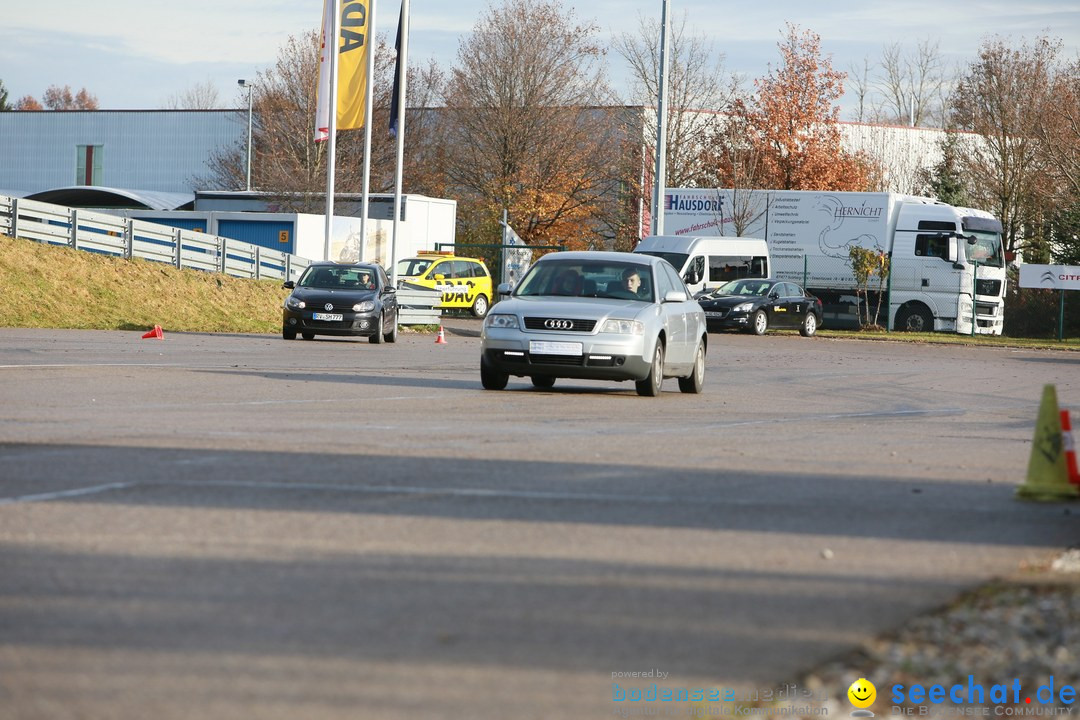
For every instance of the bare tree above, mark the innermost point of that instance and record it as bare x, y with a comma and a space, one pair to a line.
860, 85
698, 92
1058, 129
913, 84
994, 99
200, 96
525, 126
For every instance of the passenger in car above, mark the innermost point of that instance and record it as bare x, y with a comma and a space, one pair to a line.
567, 282
629, 287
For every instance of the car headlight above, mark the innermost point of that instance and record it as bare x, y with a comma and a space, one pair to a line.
623, 327
743, 307
366, 306
502, 320
294, 304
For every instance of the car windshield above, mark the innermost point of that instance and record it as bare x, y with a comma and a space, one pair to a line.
412, 267
341, 278
588, 278
744, 287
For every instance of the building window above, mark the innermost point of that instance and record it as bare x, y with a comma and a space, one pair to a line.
88, 164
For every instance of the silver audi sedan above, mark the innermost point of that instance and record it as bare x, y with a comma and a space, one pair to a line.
596, 316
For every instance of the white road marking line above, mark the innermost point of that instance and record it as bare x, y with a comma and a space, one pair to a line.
61, 494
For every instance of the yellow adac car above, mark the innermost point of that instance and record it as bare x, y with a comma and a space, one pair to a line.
464, 282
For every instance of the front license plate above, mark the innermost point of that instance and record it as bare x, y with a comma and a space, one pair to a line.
544, 347
335, 317
714, 314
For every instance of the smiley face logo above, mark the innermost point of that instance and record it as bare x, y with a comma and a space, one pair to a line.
862, 693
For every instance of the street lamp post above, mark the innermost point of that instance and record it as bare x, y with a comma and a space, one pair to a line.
245, 84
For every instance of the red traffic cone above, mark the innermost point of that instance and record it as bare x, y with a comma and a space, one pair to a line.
441, 338
155, 333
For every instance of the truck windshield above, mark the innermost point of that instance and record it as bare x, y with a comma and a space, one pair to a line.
677, 260
986, 250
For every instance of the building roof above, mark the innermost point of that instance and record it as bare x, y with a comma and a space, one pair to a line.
94, 196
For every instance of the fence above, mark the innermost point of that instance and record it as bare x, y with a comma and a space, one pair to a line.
123, 237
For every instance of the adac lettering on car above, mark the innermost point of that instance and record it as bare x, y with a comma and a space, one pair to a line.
461, 291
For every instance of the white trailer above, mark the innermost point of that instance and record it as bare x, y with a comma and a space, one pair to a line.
947, 263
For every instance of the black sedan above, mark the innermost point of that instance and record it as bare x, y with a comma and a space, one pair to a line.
341, 299
757, 304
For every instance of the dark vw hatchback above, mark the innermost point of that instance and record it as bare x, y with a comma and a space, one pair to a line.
756, 305
341, 299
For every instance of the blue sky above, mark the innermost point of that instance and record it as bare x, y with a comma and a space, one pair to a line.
137, 54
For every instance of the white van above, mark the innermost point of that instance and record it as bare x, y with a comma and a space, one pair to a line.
708, 262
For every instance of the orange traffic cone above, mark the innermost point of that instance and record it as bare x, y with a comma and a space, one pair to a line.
441, 339
1070, 448
155, 333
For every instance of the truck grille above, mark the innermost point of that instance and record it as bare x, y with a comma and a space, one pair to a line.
988, 287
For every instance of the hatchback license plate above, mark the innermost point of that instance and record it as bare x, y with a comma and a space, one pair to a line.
335, 317
714, 314
544, 347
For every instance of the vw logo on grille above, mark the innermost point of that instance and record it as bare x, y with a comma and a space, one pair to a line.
559, 324
329, 306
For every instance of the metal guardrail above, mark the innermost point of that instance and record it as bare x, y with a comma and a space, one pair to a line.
418, 306
124, 237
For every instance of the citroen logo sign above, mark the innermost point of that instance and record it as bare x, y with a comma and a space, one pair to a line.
559, 324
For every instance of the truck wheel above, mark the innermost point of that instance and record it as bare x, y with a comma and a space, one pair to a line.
543, 381
491, 378
759, 323
480, 306
914, 319
650, 386
809, 325
695, 381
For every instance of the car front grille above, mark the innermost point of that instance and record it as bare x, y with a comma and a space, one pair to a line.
576, 324
572, 360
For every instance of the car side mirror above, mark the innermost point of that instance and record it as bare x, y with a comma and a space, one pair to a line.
774, 296
674, 296
504, 290
439, 276
288, 285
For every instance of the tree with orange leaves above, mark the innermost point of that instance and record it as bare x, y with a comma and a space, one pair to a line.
792, 122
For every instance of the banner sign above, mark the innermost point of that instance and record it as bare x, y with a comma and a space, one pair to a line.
1050, 277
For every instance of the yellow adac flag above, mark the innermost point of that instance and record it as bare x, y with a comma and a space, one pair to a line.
1048, 475
353, 44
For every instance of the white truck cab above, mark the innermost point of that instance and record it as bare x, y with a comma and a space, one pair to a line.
705, 263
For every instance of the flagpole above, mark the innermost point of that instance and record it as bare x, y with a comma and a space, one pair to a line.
403, 71
331, 149
660, 176
368, 96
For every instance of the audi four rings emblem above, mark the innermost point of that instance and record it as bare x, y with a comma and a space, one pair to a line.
328, 306
558, 324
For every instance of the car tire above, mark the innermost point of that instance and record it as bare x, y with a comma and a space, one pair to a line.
491, 378
809, 325
378, 336
480, 306
914, 319
288, 333
391, 337
695, 381
650, 386
543, 381
759, 323
307, 335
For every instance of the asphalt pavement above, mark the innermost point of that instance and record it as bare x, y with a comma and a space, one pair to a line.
231, 526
